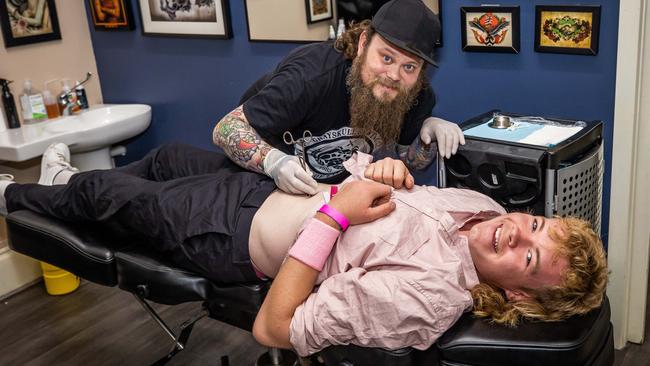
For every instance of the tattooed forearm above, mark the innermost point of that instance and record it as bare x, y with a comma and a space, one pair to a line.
240, 141
417, 156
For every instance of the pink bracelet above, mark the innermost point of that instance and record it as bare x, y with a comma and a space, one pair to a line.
314, 244
335, 215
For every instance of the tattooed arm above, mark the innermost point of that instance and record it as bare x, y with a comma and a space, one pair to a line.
240, 141
417, 156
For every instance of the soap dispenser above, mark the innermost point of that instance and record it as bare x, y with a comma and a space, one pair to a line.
9, 105
51, 104
32, 103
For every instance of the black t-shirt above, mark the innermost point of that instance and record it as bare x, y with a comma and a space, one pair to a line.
307, 91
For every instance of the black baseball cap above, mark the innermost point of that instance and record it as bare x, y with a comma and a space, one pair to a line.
409, 25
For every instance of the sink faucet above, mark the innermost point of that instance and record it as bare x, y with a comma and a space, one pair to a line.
68, 100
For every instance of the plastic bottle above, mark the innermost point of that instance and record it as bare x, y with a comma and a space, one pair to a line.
341, 28
51, 103
26, 109
33, 104
80, 91
51, 106
3, 125
9, 105
332, 34
67, 98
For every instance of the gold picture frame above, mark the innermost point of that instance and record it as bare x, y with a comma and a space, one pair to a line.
567, 29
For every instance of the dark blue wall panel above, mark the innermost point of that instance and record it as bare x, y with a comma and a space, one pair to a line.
191, 83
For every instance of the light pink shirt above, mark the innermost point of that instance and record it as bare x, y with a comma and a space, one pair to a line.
400, 281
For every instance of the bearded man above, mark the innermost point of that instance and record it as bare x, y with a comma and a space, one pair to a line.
366, 91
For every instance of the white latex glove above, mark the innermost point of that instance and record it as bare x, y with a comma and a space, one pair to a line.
287, 173
447, 134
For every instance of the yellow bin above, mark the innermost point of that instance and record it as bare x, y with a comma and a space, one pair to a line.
58, 281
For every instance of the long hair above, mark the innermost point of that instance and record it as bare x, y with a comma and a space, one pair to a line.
581, 290
349, 40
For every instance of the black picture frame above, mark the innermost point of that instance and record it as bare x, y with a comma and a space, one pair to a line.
310, 6
178, 22
359, 10
13, 26
476, 22
118, 18
550, 38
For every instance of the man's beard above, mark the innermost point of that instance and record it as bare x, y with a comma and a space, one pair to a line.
368, 113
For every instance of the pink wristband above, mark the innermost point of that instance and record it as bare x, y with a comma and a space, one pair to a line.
335, 215
314, 244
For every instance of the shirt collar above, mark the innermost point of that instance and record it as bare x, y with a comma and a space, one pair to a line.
470, 276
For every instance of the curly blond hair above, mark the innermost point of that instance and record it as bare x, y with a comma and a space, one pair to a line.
581, 290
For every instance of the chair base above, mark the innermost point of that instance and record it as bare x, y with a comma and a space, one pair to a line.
278, 357
179, 341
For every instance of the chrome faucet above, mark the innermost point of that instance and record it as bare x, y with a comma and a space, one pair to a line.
68, 99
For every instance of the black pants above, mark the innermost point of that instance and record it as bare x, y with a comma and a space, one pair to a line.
192, 205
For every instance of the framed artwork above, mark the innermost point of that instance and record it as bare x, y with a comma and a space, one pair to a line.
26, 22
436, 8
111, 14
567, 29
283, 21
359, 10
318, 10
490, 28
198, 18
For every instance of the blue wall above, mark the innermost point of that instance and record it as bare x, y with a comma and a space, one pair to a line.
191, 83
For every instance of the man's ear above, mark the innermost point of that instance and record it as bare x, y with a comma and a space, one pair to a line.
363, 42
516, 295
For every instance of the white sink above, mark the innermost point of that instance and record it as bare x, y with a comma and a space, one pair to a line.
103, 125
90, 134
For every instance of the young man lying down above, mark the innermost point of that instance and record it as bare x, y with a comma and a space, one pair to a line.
411, 262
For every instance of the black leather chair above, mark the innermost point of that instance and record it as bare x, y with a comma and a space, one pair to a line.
95, 256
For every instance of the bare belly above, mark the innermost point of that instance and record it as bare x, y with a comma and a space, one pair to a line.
275, 226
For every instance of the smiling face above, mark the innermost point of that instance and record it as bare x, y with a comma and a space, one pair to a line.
515, 252
384, 83
386, 68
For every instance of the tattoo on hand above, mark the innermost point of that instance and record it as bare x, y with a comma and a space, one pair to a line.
417, 156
